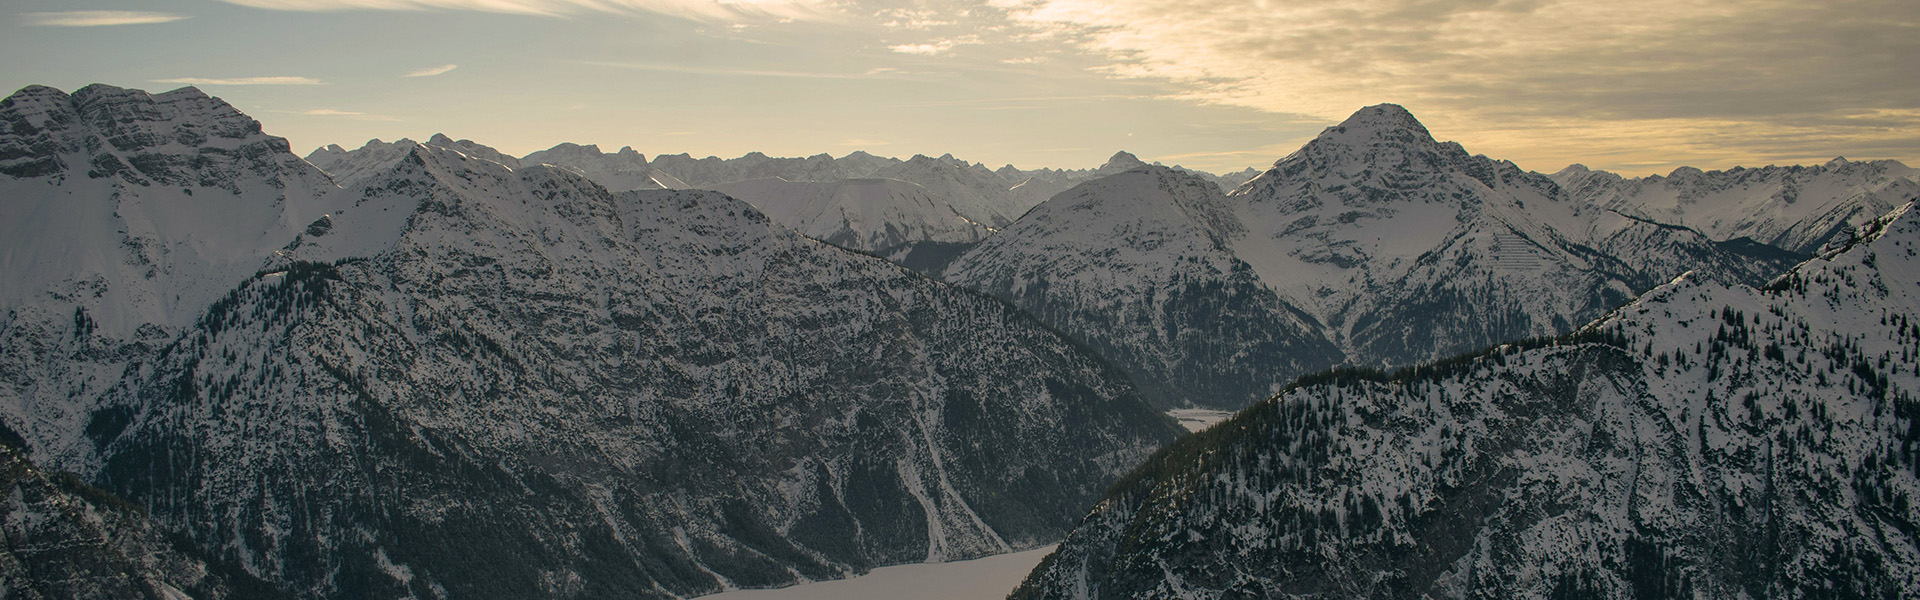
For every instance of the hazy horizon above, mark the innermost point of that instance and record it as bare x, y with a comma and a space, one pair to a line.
1634, 87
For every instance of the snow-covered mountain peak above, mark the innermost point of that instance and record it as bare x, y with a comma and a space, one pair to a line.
1379, 156
1572, 170
1380, 123
1121, 161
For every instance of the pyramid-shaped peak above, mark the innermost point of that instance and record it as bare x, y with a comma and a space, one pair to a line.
1384, 118
440, 139
1122, 161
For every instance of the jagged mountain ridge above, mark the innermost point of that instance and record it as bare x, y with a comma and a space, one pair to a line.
1796, 208
1706, 441
897, 224
874, 215
617, 171
1374, 239
653, 394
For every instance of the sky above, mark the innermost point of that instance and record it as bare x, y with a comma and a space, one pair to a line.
1632, 86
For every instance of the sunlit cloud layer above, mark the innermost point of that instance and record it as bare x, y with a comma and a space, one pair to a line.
705, 10
97, 18
277, 80
1637, 86
1541, 81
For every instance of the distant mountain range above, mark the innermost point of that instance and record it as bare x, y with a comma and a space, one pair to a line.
859, 201
436, 370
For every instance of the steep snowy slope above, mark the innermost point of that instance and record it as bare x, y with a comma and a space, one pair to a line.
874, 215
1704, 441
1793, 208
1138, 266
619, 171
122, 216
478, 382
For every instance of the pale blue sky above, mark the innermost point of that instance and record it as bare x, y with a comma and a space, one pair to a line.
1634, 86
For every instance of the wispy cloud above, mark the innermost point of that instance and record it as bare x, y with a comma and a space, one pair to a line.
97, 18
279, 80
432, 71
933, 49
937, 47
702, 10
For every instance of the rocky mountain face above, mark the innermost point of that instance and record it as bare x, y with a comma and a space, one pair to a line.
454, 378
1140, 266
125, 214
1372, 245
1798, 208
1707, 440
65, 539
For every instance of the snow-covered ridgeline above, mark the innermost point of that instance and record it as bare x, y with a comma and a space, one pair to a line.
1707, 439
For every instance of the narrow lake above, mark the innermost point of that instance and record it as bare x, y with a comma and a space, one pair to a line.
987, 578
